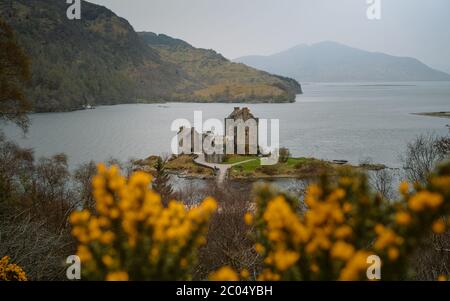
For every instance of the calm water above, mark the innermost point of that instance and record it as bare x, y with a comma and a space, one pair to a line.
330, 121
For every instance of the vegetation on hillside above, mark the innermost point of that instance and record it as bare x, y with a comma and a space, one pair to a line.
14, 74
95, 60
100, 59
220, 79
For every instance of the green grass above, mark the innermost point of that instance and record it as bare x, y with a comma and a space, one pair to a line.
237, 159
291, 163
291, 167
294, 161
248, 166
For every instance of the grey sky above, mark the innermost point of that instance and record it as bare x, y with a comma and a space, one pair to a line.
235, 28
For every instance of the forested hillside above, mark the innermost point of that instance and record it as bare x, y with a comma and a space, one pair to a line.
212, 77
100, 59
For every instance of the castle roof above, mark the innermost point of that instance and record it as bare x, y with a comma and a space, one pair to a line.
243, 114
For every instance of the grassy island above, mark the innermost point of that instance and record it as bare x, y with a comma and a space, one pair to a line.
292, 168
183, 165
250, 168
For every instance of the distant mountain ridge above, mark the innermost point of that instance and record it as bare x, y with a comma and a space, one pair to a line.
334, 62
101, 60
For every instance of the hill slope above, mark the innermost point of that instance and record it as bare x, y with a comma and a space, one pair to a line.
100, 59
333, 62
212, 77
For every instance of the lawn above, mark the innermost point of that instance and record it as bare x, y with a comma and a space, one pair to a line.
237, 159
293, 167
249, 166
253, 165
292, 162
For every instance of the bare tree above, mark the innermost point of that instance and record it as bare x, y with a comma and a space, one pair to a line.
83, 178
422, 155
228, 242
35, 200
433, 259
382, 182
29, 242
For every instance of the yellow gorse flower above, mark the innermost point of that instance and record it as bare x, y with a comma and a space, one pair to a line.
425, 200
282, 223
343, 232
131, 236
248, 218
10, 271
283, 259
224, 274
386, 238
403, 218
342, 251
117, 276
442, 278
343, 225
439, 226
355, 267
404, 188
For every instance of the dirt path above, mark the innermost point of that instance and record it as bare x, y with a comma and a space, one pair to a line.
222, 169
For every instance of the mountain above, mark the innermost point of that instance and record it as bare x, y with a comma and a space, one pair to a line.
212, 77
334, 62
100, 59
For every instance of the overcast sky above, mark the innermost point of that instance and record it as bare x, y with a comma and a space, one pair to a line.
235, 28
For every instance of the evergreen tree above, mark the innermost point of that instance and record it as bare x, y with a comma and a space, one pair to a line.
161, 184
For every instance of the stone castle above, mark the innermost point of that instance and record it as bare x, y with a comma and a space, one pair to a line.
240, 137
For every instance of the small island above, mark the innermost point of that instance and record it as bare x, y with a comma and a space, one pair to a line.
435, 114
249, 168
244, 166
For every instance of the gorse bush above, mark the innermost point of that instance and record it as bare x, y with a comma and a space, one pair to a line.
10, 271
132, 236
343, 226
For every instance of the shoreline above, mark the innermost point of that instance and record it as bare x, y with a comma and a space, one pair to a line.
443, 114
167, 102
184, 169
